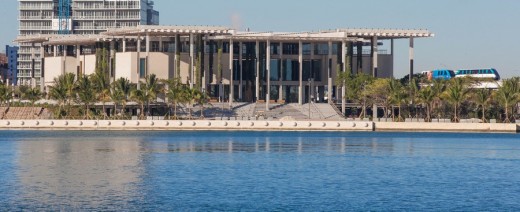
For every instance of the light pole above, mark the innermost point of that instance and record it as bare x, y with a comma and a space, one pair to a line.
311, 96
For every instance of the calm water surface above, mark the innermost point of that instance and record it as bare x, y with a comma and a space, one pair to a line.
264, 171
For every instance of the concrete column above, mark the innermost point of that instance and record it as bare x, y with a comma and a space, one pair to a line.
112, 56
55, 51
240, 92
147, 44
343, 89
124, 44
231, 68
392, 47
33, 65
205, 76
312, 90
138, 61
268, 70
160, 44
192, 58
280, 89
176, 58
329, 73
42, 68
257, 70
411, 58
78, 59
300, 61
374, 56
64, 49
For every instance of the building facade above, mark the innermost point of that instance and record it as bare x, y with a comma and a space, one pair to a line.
48, 17
12, 65
230, 65
3, 67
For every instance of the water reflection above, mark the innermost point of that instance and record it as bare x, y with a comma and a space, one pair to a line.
300, 147
65, 173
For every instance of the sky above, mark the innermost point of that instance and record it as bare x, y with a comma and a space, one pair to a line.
468, 33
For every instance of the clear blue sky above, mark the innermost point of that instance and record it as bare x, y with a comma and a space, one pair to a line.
469, 33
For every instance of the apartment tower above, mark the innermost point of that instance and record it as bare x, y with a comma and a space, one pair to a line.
44, 17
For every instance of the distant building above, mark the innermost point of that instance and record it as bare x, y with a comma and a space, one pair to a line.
46, 17
12, 64
3, 67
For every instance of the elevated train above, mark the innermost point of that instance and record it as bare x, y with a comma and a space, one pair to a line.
475, 73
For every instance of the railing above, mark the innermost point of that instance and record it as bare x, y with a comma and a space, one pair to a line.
35, 27
112, 17
318, 110
39, 17
335, 107
26, 7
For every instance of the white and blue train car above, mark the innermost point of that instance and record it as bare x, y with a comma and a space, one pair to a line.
479, 73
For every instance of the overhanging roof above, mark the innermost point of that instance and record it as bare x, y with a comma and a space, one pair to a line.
224, 33
284, 36
153, 30
387, 33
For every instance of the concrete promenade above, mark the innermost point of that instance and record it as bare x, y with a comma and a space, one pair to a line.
246, 125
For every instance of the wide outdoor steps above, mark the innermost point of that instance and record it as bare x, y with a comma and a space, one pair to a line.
18, 113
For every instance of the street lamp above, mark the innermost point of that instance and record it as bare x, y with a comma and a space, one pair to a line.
311, 96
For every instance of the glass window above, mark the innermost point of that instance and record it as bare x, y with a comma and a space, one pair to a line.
275, 70
291, 70
142, 68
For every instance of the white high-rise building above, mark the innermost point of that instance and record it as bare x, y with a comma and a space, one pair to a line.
43, 17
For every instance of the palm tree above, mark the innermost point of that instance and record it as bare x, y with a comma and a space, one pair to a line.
123, 87
33, 95
397, 95
456, 93
85, 91
508, 95
482, 98
427, 96
202, 99
6, 94
174, 93
102, 88
438, 87
68, 82
140, 97
151, 89
117, 97
187, 97
58, 92
21, 92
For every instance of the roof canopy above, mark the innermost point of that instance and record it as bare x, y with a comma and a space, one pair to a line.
152, 30
223, 33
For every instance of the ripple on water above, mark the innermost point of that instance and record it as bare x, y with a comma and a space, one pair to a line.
258, 171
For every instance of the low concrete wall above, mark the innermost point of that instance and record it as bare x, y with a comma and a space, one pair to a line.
445, 127
185, 125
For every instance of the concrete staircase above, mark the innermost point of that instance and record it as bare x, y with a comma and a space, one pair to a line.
320, 111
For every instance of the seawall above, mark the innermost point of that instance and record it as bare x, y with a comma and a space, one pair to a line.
245, 125
185, 125
446, 127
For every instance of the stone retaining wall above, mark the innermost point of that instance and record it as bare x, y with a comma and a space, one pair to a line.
445, 127
185, 125
253, 125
